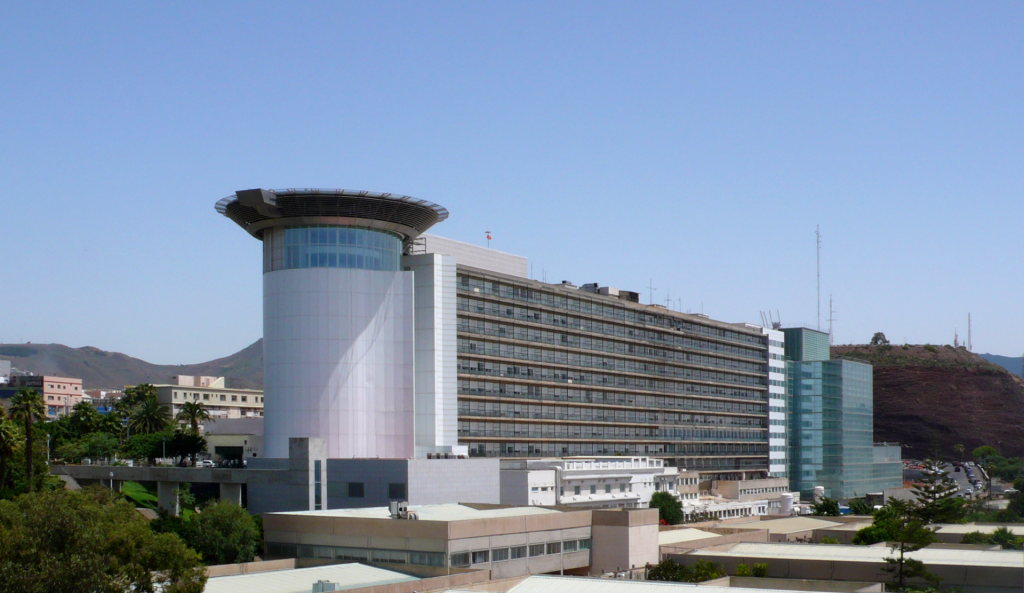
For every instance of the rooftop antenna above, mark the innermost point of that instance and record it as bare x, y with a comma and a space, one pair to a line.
668, 299
652, 289
831, 318
817, 234
488, 233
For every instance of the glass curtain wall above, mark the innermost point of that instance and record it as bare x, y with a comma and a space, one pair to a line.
331, 247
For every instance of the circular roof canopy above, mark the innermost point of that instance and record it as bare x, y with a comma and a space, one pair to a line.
257, 209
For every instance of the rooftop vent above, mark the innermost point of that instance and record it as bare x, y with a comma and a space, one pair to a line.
323, 586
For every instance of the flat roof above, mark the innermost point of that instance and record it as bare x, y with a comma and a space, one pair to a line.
428, 512
833, 552
969, 527
300, 580
852, 526
562, 584
683, 535
787, 525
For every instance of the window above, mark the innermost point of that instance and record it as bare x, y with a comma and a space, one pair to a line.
317, 491
245, 398
622, 487
461, 559
222, 397
356, 490
536, 550
518, 552
569, 546
426, 558
534, 489
396, 491
499, 555
593, 489
555, 548
481, 557
607, 488
234, 398
576, 490
206, 396
585, 544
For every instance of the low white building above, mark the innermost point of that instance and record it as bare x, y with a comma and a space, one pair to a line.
724, 508
218, 400
597, 482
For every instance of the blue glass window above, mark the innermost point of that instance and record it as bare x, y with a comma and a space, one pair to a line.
331, 247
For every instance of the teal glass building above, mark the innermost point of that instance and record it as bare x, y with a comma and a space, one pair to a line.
831, 422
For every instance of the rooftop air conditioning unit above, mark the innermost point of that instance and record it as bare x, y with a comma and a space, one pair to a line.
325, 586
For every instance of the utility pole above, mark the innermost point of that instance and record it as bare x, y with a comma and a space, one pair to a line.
652, 289
970, 346
817, 235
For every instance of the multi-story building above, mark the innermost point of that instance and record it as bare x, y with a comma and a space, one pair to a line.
5, 372
831, 419
60, 394
593, 482
554, 370
219, 401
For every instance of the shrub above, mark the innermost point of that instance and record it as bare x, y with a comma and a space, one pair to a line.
829, 540
743, 570
760, 570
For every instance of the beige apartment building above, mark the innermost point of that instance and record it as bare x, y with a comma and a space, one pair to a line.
219, 400
60, 394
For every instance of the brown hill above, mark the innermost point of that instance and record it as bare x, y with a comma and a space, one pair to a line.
99, 369
932, 397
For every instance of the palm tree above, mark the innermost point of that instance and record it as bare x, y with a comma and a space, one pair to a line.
959, 450
85, 419
25, 406
8, 440
149, 417
193, 413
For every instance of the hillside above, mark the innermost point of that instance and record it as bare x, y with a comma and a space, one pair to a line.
1007, 362
929, 397
100, 369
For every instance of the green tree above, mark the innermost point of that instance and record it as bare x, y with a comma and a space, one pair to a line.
149, 416
1005, 539
829, 540
669, 570
879, 339
742, 570
826, 507
871, 535
193, 413
908, 533
8, 443
984, 452
936, 495
706, 570
185, 443
670, 510
84, 419
89, 540
859, 506
26, 405
222, 533
975, 537
760, 570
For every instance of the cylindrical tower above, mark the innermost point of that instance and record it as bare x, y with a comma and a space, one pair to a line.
338, 338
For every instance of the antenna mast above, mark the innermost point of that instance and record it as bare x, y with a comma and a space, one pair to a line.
831, 318
488, 233
652, 289
817, 235
970, 346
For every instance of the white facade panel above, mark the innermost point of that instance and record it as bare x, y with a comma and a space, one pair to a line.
339, 361
436, 363
479, 257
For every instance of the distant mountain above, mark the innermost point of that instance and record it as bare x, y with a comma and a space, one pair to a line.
99, 369
1009, 363
931, 398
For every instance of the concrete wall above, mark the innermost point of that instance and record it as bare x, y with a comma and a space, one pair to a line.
374, 474
443, 481
624, 539
338, 361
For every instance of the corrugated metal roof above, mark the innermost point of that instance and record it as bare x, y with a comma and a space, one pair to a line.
787, 525
429, 512
559, 584
682, 535
349, 576
1009, 558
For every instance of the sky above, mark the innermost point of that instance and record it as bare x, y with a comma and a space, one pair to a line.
689, 146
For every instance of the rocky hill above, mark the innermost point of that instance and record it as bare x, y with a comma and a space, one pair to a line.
933, 397
99, 369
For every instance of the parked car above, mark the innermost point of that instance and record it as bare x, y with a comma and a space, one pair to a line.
205, 463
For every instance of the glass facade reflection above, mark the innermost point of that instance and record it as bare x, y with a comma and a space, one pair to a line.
325, 246
832, 433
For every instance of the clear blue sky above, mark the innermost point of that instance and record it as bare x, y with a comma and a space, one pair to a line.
693, 144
